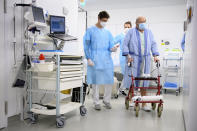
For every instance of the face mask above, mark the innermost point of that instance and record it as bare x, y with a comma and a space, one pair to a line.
103, 24
126, 30
142, 26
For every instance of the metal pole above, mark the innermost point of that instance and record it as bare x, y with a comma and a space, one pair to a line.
81, 94
82, 10
58, 86
86, 20
30, 93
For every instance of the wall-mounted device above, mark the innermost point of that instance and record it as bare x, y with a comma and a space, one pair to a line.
36, 17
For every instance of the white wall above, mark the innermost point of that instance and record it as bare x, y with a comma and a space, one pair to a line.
3, 118
189, 88
81, 29
165, 22
13, 95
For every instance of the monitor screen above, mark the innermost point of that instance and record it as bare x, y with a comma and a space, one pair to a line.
57, 25
38, 14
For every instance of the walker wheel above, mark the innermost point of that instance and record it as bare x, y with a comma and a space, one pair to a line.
153, 106
177, 93
137, 109
127, 103
116, 96
159, 110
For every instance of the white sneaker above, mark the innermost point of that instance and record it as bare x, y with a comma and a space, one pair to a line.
146, 108
107, 105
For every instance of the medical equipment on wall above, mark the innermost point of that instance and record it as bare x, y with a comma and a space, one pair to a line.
35, 17
172, 65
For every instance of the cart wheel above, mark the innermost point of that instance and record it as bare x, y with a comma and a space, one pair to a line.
179, 90
159, 110
60, 122
177, 93
34, 118
153, 106
83, 111
137, 109
127, 103
116, 96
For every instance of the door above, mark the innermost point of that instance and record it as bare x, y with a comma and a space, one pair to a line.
14, 55
3, 119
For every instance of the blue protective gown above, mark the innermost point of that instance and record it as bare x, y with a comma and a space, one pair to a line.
132, 46
120, 39
97, 45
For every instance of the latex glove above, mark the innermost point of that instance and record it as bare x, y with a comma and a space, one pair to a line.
90, 62
114, 49
130, 59
156, 59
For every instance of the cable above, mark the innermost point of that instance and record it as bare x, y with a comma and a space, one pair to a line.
43, 97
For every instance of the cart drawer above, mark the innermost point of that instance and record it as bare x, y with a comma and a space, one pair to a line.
71, 68
66, 83
71, 74
62, 74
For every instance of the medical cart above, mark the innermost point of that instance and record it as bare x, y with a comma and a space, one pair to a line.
64, 73
172, 65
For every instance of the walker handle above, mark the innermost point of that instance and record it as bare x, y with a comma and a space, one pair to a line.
130, 64
157, 64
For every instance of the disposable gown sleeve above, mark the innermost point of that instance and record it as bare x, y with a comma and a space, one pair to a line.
117, 39
125, 49
154, 48
111, 41
87, 44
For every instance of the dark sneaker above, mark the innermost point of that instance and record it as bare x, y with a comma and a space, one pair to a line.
97, 107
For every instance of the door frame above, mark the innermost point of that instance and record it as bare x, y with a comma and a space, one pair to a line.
3, 107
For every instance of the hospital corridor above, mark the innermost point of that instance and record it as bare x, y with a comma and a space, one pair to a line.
98, 65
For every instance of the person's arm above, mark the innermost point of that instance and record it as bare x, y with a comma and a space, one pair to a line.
117, 39
154, 48
125, 47
112, 46
86, 43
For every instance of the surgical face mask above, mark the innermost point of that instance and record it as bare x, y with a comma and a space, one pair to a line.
142, 26
126, 30
103, 24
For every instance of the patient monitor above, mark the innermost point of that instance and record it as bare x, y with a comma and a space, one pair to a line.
36, 17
